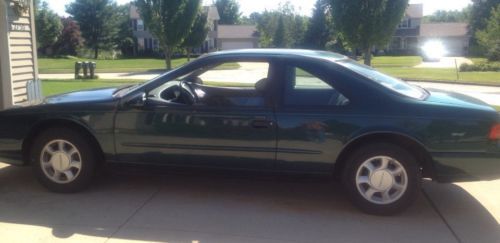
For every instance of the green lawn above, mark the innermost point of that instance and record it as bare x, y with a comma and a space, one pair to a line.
52, 87
402, 67
67, 65
395, 61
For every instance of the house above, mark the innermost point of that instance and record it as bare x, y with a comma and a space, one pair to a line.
237, 37
454, 36
147, 43
412, 33
405, 39
18, 62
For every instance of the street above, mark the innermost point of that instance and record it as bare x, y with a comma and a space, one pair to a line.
235, 207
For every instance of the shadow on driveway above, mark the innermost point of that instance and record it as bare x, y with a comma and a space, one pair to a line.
225, 207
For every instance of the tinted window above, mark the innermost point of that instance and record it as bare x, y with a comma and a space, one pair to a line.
306, 89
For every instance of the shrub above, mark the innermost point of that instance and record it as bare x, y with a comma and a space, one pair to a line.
481, 67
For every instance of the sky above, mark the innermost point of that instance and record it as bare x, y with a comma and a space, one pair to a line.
302, 6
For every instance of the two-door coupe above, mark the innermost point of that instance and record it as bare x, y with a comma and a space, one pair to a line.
275, 110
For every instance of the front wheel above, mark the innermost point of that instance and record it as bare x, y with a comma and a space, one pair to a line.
63, 160
382, 179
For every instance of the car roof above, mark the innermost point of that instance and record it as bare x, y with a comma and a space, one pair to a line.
330, 56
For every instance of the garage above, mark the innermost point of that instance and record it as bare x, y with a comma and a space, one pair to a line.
230, 37
231, 45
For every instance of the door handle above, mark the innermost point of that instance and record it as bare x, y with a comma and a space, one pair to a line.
262, 124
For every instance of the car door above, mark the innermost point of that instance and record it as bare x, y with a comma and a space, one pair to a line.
312, 119
232, 125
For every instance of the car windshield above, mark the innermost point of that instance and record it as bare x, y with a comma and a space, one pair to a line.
385, 80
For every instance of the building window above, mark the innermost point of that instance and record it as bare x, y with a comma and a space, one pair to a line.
140, 43
156, 45
140, 25
395, 43
405, 24
134, 24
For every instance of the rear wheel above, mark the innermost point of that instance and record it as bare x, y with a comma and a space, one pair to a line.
382, 179
63, 160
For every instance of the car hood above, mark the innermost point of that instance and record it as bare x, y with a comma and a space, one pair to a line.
101, 94
456, 99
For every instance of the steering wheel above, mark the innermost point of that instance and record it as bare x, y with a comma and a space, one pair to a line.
188, 93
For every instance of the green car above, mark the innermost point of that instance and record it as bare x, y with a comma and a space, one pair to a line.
290, 111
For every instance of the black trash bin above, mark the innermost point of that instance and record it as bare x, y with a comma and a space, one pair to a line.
85, 70
78, 67
92, 67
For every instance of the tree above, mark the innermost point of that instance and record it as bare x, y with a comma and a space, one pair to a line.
294, 26
489, 38
480, 13
48, 28
279, 39
71, 38
124, 40
169, 20
367, 23
229, 11
97, 22
198, 33
298, 30
318, 31
452, 16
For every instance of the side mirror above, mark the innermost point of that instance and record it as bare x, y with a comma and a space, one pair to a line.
137, 101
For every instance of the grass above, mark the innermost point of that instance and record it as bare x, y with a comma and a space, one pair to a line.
52, 87
497, 108
402, 67
67, 65
395, 61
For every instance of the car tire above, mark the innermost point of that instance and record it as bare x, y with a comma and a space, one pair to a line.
63, 160
382, 179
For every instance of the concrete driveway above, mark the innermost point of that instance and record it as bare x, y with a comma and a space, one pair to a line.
197, 207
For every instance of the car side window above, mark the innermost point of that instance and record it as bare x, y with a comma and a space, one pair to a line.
233, 84
235, 74
304, 88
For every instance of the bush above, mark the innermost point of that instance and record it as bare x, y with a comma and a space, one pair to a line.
481, 67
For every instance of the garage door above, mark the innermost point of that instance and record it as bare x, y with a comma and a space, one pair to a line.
231, 45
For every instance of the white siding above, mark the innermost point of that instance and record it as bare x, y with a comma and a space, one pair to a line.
22, 54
